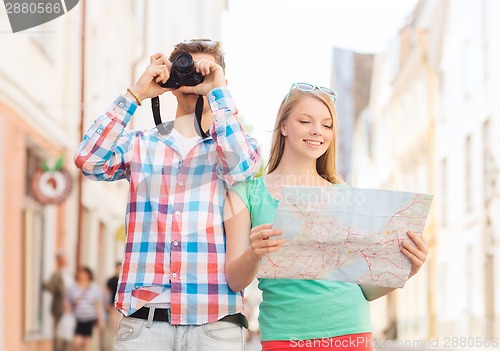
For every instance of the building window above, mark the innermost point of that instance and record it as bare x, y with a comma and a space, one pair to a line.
444, 195
468, 173
469, 273
34, 240
488, 162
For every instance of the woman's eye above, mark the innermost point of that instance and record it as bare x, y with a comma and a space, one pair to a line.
304, 122
327, 126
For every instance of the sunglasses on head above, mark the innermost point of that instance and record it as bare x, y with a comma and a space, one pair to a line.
308, 87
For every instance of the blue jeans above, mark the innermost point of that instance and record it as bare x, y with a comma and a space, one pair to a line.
138, 334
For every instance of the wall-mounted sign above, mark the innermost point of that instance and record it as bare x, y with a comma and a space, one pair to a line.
51, 186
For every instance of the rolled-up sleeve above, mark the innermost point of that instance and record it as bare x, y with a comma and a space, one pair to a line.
238, 155
106, 148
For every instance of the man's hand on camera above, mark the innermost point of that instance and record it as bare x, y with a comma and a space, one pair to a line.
158, 71
214, 78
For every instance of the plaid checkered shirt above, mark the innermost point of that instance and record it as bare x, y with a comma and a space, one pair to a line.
174, 215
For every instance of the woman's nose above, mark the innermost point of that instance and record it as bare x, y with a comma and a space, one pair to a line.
316, 130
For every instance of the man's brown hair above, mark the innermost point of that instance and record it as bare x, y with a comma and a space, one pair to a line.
201, 46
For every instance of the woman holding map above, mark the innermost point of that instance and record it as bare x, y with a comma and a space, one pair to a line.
299, 313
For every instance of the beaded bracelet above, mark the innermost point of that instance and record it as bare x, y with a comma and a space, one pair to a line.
135, 96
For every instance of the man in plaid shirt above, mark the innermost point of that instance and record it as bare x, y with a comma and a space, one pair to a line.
172, 289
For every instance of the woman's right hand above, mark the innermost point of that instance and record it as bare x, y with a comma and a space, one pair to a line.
147, 86
260, 242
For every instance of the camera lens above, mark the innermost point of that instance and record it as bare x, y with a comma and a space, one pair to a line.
183, 72
183, 62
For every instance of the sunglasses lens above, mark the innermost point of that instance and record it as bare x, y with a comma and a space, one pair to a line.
328, 91
305, 86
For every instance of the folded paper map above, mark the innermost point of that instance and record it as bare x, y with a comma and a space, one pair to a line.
345, 234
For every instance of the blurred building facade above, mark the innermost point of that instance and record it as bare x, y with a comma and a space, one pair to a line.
352, 73
430, 128
44, 107
467, 170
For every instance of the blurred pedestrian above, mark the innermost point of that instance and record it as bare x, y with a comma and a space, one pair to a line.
86, 301
57, 285
173, 291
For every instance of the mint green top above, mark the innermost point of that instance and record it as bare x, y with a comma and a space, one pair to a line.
302, 309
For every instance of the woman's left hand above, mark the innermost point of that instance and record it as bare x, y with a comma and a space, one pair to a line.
416, 250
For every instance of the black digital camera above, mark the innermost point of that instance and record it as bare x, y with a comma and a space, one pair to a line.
183, 72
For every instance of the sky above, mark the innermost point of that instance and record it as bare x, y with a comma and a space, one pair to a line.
271, 43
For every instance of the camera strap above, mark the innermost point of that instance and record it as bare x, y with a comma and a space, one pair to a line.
198, 112
155, 106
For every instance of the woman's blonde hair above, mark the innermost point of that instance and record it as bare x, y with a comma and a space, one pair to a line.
326, 163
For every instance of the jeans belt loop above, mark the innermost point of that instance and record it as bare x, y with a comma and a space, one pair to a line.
151, 315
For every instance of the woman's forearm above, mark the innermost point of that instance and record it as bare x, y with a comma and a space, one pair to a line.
241, 271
